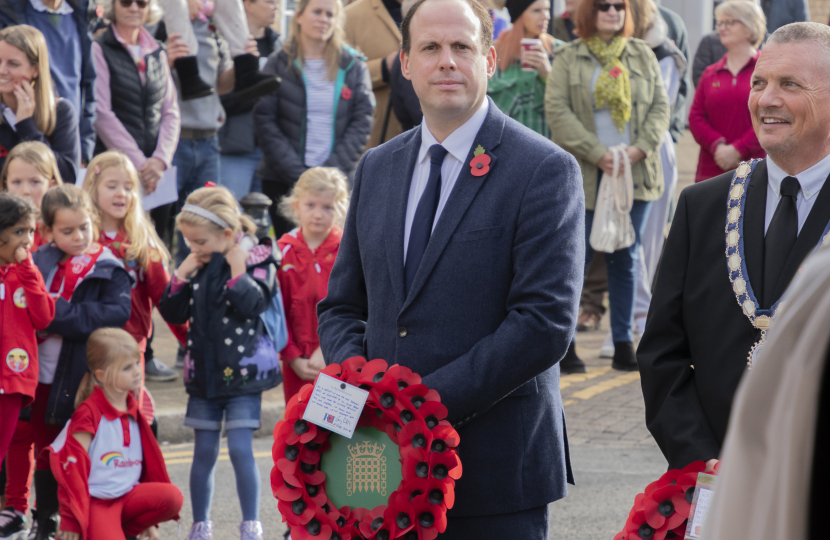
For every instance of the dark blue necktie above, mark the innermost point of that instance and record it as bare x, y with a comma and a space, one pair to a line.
424, 215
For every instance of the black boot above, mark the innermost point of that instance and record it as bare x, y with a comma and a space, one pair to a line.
571, 363
625, 359
250, 82
190, 83
46, 495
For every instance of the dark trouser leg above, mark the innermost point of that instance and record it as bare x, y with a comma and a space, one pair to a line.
525, 525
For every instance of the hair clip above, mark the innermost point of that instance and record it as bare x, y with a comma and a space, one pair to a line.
210, 184
97, 170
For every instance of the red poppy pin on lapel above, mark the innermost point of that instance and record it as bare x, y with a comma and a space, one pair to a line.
615, 72
480, 164
346, 93
3, 151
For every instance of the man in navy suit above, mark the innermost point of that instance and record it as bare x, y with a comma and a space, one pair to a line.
462, 259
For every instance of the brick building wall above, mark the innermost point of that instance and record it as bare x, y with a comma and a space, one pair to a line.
820, 10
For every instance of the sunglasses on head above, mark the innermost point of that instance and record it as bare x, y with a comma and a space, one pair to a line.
141, 3
605, 6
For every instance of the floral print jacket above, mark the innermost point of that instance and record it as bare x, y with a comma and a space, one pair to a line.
228, 351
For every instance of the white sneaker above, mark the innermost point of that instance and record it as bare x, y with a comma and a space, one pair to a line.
250, 530
607, 349
201, 530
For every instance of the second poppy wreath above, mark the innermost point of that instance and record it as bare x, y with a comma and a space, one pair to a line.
333, 488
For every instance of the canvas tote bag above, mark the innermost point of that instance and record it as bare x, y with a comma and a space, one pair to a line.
612, 229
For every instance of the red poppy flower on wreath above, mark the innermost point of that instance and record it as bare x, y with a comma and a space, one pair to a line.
412, 416
480, 164
615, 72
346, 93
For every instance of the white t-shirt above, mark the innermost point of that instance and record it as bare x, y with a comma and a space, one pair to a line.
116, 469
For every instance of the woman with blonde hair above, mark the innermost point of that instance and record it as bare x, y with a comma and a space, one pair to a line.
321, 116
523, 60
719, 118
30, 110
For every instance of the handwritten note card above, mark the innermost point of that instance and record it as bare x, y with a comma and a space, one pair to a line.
704, 490
335, 405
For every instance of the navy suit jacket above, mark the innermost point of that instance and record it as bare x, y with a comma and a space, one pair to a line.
491, 311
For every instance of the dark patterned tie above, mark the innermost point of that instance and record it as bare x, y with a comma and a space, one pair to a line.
780, 239
424, 215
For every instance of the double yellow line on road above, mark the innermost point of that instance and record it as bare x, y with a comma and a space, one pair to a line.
174, 456
596, 389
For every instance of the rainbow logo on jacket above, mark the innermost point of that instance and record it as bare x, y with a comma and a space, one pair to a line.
108, 458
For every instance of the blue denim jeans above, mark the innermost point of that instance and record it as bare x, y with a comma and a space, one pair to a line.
197, 162
238, 173
622, 272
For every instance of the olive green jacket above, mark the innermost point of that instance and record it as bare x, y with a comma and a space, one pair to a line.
570, 113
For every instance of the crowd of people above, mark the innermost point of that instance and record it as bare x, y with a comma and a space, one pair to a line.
105, 102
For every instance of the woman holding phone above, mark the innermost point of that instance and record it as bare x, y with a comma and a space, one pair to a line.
524, 57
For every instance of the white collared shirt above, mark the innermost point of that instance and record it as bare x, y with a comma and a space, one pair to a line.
63, 9
458, 146
811, 182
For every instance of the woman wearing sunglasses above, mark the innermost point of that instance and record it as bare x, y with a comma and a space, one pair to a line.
137, 110
604, 90
719, 118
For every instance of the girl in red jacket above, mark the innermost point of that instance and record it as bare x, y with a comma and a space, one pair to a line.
319, 199
112, 481
112, 184
25, 306
29, 171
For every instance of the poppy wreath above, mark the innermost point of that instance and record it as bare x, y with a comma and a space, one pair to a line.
413, 417
662, 510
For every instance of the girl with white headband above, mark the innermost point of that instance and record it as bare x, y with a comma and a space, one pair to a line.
221, 289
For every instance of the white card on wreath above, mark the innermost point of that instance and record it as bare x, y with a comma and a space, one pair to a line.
704, 490
335, 405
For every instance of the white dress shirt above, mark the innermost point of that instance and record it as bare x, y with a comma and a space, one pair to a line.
458, 146
810, 180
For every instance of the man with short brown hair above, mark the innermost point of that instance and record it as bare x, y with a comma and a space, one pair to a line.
461, 259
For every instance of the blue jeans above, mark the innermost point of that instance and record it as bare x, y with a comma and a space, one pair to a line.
238, 411
197, 161
238, 173
622, 272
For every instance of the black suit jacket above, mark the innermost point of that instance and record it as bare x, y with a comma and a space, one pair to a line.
695, 345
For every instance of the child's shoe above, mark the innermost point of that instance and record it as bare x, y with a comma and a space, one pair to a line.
250, 82
190, 83
201, 530
12, 524
250, 530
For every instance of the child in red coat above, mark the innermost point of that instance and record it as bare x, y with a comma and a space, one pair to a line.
112, 481
25, 306
319, 200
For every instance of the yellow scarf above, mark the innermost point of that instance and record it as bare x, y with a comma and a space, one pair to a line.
613, 85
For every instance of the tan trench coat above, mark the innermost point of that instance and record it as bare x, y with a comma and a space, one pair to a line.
371, 30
